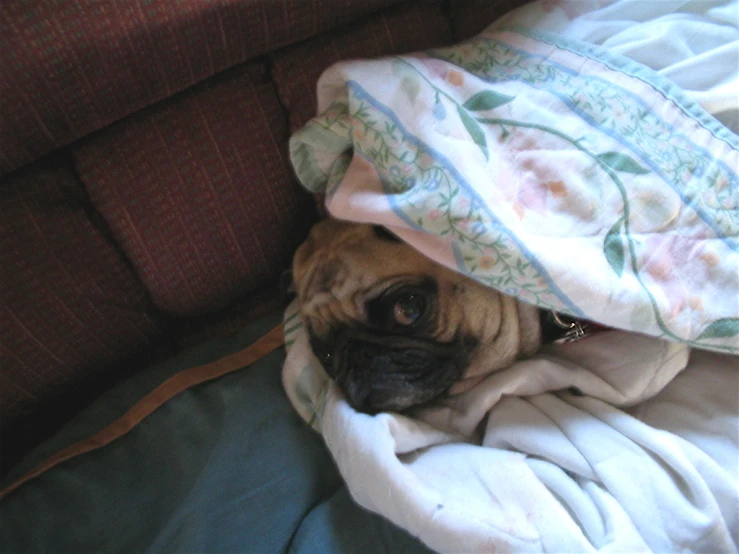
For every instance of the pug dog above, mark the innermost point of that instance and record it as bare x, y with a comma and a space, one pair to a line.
394, 329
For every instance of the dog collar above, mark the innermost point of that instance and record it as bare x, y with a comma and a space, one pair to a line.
560, 329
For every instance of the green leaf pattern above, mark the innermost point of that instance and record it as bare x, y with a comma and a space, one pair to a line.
613, 248
725, 327
621, 162
676, 158
486, 100
474, 129
431, 197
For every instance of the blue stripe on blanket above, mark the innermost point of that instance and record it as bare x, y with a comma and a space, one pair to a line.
723, 234
360, 92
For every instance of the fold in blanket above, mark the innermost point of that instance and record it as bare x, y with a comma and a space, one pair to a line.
520, 464
571, 178
583, 182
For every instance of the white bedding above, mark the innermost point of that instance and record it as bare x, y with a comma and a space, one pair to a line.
511, 466
645, 460
694, 43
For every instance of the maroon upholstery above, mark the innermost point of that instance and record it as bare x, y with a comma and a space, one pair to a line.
171, 222
70, 304
404, 28
198, 192
197, 329
69, 68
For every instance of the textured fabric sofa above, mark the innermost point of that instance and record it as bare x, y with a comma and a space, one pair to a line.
147, 202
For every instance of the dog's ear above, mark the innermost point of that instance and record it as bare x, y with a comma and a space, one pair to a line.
381, 373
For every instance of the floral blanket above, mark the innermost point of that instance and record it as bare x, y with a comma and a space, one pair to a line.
563, 175
582, 182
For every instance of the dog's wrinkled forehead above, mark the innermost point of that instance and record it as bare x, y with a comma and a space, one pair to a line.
341, 264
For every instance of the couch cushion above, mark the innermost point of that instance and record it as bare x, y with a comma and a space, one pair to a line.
404, 28
70, 68
71, 306
190, 331
198, 191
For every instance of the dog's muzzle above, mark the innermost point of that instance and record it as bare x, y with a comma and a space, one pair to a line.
391, 373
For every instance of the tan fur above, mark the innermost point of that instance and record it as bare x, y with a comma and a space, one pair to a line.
341, 265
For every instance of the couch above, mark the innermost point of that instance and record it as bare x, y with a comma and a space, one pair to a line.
147, 203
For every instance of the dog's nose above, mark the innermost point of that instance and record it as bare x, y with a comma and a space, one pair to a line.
364, 397
369, 397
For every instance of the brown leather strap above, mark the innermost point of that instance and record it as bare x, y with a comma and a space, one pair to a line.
144, 407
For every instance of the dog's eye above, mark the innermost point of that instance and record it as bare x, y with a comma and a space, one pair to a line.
408, 308
403, 308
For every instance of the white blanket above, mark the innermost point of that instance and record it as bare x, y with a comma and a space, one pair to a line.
694, 43
619, 442
512, 467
